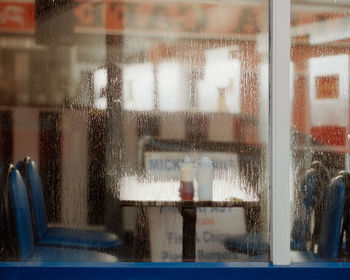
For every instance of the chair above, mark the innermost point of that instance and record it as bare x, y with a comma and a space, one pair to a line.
305, 200
254, 243
26, 249
346, 220
6, 244
323, 180
330, 241
59, 236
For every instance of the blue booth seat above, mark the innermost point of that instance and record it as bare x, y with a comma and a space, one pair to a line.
330, 242
7, 244
60, 236
27, 251
256, 243
345, 234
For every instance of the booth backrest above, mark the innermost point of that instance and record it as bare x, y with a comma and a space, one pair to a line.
302, 218
8, 247
323, 180
332, 220
3, 225
22, 215
346, 221
36, 195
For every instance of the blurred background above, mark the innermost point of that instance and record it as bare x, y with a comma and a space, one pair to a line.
88, 87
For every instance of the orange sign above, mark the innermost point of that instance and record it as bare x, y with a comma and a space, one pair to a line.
182, 17
17, 16
89, 15
147, 17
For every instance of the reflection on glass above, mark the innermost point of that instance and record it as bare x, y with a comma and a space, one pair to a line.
173, 86
320, 57
138, 87
109, 97
100, 79
221, 82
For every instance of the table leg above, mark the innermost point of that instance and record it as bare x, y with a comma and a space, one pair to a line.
189, 216
142, 243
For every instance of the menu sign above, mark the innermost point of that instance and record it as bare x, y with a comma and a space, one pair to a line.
145, 17
214, 226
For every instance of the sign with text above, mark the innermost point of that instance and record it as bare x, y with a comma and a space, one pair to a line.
214, 225
166, 165
145, 17
17, 16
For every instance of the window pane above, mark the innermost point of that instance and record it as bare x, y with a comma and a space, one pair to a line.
127, 109
320, 130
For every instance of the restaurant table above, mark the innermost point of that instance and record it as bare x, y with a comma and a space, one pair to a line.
188, 210
165, 194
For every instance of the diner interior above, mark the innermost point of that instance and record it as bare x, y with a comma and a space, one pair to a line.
102, 103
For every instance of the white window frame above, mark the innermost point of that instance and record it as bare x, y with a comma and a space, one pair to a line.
280, 153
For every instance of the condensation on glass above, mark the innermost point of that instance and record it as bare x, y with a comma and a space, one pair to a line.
109, 97
320, 129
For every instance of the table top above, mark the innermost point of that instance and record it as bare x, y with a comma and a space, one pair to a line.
137, 192
188, 203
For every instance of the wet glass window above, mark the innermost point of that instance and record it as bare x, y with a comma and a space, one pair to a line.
138, 130
320, 130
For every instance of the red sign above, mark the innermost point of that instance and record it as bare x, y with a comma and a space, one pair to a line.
133, 16
182, 17
89, 15
17, 16
329, 135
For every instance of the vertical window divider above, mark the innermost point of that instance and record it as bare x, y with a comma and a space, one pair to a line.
279, 118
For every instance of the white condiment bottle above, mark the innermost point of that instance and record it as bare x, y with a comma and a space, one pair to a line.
205, 179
